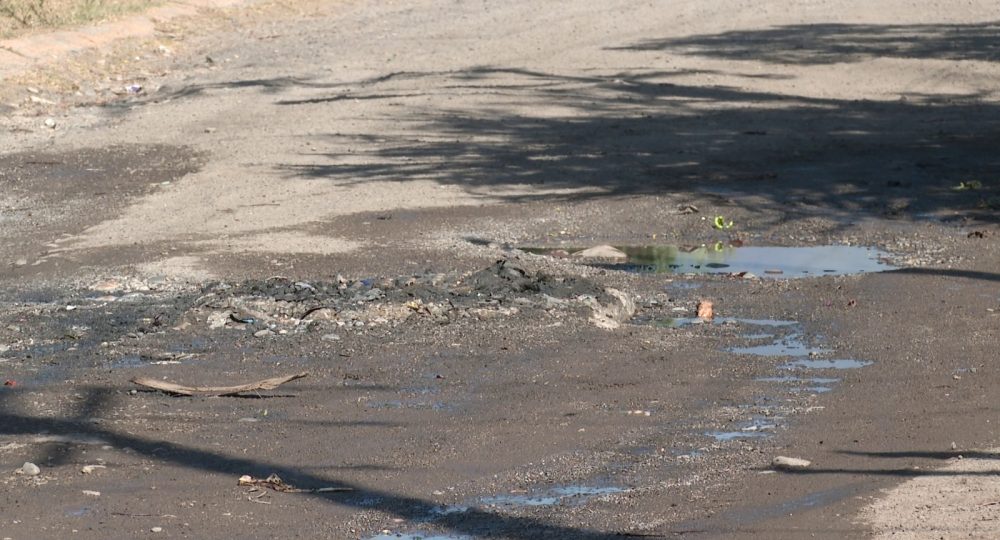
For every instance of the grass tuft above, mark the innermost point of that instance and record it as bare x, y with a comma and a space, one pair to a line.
18, 17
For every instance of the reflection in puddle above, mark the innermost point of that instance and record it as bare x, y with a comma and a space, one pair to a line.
411, 404
769, 262
790, 345
723, 436
417, 536
562, 495
814, 385
679, 322
757, 427
559, 495
825, 364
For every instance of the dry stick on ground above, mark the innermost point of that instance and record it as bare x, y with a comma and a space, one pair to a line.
171, 388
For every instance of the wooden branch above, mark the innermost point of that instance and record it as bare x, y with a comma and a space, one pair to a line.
177, 389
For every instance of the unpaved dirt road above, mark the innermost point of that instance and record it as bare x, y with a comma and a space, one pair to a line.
348, 192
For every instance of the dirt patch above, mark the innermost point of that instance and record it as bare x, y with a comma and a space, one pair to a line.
958, 500
47, 196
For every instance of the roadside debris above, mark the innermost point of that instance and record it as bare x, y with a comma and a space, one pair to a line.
720, 223
705, 312
29, 469
784, 463
685, 209
610, 315
88, 469
276, 483
177, 389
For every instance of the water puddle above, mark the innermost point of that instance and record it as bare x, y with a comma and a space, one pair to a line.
757, 427
411, 404
825, 364
791, 345
571, 495
417, 536
815, 385
725, 436
768, 262
552, 497
680, 322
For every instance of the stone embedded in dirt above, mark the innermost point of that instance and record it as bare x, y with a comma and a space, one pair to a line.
21, 262
29, 469
705, 310
88, 469
263, 333
50, 123
330, 337
601, 252
784, 463
217, 319
91, 493
611, 314
108, 285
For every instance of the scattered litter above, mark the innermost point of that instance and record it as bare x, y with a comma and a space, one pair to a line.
720, 223
172, 388
242, 318
968, 185
29, 469
133, 89
784, 463
276, 483
705, 312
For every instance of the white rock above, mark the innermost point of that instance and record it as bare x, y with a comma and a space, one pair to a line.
790, 463
50, 123
29, 469
91, 493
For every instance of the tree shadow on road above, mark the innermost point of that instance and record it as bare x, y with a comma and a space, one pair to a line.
811, 44
471, 521
570, 138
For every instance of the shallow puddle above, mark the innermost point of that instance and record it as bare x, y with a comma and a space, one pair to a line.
768, 262
825, 364
562, 495
417, 536
680, 322
791, 345
559, 495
